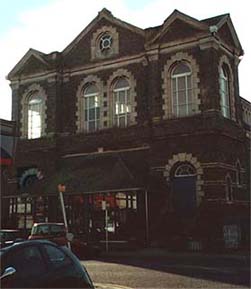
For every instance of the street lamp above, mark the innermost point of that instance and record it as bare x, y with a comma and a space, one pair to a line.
61, 190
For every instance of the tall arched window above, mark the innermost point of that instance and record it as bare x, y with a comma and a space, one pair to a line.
91, 108
182, 98
35, 116
224, 92
238, 173
122, 103
229, 190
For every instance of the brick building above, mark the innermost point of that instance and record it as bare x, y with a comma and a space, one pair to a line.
149, 121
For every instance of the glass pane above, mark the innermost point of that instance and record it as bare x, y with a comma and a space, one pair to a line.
182, 97
121, 83
181, 83
122, 121
122, 96
91, 89
174, 84
92, 114
189, 81
180, 69
182, 110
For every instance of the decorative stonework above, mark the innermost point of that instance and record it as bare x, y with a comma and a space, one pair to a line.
80, 103
110, 84
96, 52
225, 60
189, 158
166, 77
30, 91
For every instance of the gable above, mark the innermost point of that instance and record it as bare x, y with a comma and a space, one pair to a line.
32, 66
177, 30
82, 51
227, 35
32, 62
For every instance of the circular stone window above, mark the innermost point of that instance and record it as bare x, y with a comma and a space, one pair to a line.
105, 43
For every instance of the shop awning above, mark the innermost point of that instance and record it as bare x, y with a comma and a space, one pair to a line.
101, 172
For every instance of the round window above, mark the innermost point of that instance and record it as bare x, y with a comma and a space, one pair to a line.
105, 42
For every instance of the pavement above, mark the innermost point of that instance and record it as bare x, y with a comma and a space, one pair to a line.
162, 252
109, 286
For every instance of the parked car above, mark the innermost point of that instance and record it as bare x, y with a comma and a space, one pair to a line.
56, 232
41, 264
9, 236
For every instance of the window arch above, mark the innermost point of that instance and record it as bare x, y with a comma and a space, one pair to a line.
35, 115
184, 170
33, 120
226, 88
238, 173
181, 86
91, 103
229, 189
182, 99
122, 99
224, 92
121, 102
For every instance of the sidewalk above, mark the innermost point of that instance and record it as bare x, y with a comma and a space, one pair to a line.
161, 252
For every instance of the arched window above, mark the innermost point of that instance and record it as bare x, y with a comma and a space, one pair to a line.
182, 98
224, 92
35, 116
91, 108
238, 173
229, 190
184, 170
122, 103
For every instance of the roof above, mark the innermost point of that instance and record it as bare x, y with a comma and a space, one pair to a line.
96, 173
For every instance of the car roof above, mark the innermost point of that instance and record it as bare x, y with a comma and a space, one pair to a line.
9, 230
38, 224
26, 242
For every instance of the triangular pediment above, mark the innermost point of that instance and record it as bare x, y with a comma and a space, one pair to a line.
226, 30
104, 14
32, 62
178, 21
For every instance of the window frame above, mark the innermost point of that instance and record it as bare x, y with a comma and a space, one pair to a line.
86, 104
118, 115
176, 93
225, 92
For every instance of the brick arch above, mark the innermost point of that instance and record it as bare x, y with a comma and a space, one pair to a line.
225, 60
189, 158
166, 86
79, 104
132, 81
33, 88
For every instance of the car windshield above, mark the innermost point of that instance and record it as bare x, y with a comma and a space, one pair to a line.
48, 229
8, 235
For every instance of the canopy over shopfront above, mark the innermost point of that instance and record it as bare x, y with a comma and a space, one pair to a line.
96, 172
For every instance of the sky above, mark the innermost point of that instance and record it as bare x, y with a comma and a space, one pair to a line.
50, 25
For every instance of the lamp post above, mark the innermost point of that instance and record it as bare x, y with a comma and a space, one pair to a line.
61, 190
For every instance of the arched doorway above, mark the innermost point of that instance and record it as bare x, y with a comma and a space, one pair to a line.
183, 189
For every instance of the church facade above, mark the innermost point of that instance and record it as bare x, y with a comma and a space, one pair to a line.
144, 127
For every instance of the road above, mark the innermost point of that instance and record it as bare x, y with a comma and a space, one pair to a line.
169, 272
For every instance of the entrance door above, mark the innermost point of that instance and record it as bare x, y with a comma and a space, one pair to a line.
184, 190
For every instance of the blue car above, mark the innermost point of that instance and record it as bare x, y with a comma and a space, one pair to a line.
41, 264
